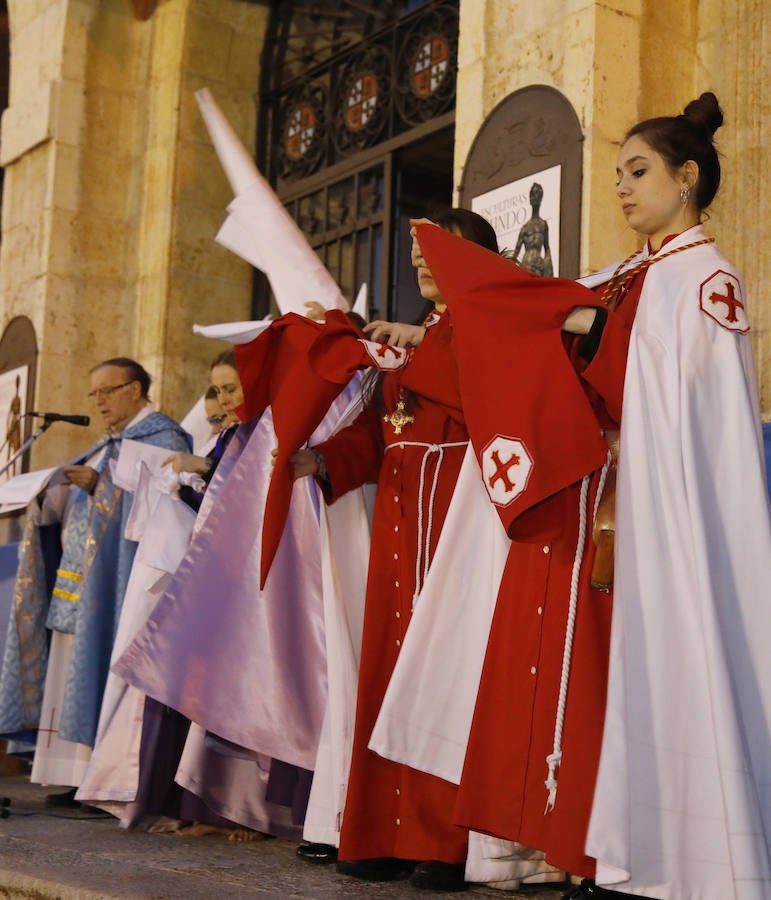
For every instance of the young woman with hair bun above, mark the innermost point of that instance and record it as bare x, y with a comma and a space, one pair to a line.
682, 807
622, 719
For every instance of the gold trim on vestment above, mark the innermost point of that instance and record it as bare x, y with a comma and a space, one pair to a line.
73, 576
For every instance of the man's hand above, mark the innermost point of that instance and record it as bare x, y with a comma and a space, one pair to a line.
315, 311
398, 335
303, 461
82, 476
188, 462
580, 320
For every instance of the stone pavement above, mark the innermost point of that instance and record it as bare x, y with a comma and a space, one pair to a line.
74, 855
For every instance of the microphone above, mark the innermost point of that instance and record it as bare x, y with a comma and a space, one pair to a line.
58, 417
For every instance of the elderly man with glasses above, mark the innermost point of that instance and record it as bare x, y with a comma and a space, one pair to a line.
87, 595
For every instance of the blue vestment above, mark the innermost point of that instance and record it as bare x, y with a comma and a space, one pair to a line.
90, 584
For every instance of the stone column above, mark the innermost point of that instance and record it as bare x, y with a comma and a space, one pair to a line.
113, 194
584, 51
627, 60
41, 140
734, 60
183, 276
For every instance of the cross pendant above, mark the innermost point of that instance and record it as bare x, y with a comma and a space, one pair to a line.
399, 418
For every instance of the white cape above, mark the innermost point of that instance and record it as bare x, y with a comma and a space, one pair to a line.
425, 718
682, 808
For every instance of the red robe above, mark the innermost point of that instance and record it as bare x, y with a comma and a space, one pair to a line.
392, 810
502, 789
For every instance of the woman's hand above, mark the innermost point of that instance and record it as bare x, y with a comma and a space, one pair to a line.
580, 320
398, 335
82, 476
303, 461
315, 311
187, 462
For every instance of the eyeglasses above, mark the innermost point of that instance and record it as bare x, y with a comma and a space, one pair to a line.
216, 420
106, 391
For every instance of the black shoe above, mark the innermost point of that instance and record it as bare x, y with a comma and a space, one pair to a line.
538, 887
317, 853
575, 893
64, 801
382, 868
439, 876
588, 890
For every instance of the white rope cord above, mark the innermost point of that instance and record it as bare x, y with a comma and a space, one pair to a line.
429, 449
421, 488
601, 485
555, 757
430, 519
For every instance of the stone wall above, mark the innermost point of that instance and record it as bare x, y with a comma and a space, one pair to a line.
113, 194
622, 61
733, 58
191, 278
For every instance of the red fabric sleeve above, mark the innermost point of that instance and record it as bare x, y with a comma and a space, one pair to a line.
337, 352
605, 373
275, 371
532, 426
353, 456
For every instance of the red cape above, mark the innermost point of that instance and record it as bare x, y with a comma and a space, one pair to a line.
530, 422
275, 371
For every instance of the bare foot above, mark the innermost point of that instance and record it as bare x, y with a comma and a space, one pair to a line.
161, 824
244, 835
237, 835
199, 829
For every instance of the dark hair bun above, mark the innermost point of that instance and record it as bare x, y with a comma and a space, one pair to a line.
705, 113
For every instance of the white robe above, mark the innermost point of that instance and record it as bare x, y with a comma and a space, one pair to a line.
345, 546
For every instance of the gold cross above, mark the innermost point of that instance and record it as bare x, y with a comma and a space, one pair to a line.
399, 418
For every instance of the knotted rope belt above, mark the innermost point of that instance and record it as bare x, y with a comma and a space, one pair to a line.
430, 449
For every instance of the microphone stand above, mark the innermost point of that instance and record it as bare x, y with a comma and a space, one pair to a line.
25, 446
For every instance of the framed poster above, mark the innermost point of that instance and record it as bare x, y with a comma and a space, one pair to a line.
13, 406
526, 217
532, 137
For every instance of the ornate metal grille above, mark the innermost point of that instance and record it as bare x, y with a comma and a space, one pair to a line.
344, 221
345, 78
346, 85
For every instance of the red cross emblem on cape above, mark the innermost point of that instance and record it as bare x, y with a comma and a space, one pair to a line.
721, 299
506, 467
384, 356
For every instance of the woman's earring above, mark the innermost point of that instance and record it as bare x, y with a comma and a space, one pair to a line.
685, 193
